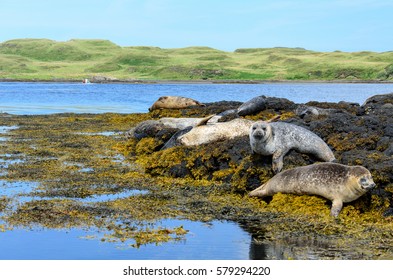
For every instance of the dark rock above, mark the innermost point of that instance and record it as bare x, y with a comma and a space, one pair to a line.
389, 130
389, 151
357, 135
379, 104
278, 104
388, 213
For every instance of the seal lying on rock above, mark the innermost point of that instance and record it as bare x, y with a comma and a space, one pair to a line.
252, 106
336, 182
304, 110
174, 102
279, 138
215, 132
150, 128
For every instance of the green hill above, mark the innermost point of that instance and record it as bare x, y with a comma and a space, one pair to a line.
32, 59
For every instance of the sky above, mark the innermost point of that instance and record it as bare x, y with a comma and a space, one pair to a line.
320, 25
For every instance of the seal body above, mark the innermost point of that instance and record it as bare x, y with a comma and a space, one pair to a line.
303, 110
336, 182
174, 102
215, 132
278, 138
150, 128
252, 106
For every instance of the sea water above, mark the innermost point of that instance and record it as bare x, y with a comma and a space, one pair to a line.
49, 98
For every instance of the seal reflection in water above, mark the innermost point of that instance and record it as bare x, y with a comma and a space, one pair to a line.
279, 138
336, 182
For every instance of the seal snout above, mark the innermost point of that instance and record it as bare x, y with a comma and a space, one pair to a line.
258, 134
369, 186
367, 183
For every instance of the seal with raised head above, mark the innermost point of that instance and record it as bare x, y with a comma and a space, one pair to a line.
336, 182
174, 102
277, 139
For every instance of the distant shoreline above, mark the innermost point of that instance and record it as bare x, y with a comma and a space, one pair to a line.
101, 61
119, 81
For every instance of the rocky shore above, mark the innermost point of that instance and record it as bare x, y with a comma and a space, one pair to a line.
357, 134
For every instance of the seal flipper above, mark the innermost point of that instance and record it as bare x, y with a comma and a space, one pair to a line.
260, 191
275, 118
172, 142
278, 161
204, 120
336, 207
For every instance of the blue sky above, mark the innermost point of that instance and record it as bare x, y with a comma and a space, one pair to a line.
324, 25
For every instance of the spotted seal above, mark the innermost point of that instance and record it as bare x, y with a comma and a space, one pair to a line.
336, 182
278, 138
304, 110
174, 102
215, 132
150, 128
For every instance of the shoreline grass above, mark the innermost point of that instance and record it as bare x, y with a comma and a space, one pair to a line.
74, 60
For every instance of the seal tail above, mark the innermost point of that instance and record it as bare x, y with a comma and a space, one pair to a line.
204, 120
274, 119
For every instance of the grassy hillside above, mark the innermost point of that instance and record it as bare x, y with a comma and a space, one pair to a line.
77, 59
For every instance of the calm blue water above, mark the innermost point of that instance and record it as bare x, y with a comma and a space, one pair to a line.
48, 98
218, 240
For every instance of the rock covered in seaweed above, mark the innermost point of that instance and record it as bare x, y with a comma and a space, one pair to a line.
358, 135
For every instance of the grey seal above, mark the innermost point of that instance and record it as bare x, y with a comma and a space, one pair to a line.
336, 182
277, 139
204, 134
252, 106
150, 128
304, 110
174, 102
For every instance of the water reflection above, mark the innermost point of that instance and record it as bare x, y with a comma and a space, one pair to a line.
310, 248
216, 240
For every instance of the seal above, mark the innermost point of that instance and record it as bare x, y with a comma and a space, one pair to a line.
174, 102
336, 182
304, 110
252, 106
204, 134
277, 139
150, 128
